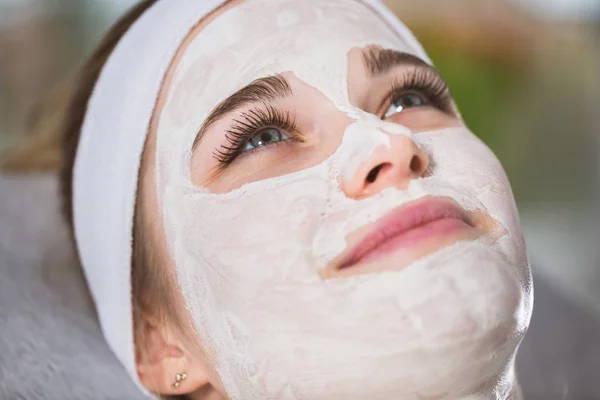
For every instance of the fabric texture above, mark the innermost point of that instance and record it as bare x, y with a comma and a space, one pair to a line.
106, 168
51, 345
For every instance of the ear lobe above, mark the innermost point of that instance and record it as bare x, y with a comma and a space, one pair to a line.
161, 363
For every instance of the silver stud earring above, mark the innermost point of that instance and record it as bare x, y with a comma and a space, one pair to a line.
178, 379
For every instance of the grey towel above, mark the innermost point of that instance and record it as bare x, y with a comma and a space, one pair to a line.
51, 346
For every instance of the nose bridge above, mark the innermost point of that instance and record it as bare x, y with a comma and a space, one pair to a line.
387, 155
401, 139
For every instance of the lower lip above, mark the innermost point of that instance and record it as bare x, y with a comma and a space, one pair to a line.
441, 230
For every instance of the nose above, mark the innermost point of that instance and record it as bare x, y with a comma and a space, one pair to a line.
388, 166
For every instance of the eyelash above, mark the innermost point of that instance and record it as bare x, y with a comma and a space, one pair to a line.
426, 82
250, 124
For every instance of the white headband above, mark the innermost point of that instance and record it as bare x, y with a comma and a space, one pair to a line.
113, 135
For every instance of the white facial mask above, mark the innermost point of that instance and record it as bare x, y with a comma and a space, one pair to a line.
248, 261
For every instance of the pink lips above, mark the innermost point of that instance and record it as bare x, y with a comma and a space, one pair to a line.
406, 227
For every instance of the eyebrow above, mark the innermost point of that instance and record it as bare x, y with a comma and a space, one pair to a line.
378, 60
261, 90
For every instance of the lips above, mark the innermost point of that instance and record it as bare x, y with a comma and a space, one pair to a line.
431, 219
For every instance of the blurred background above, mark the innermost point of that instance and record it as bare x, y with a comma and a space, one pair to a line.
525, 74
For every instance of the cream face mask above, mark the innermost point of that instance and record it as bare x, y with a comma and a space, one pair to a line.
253, 260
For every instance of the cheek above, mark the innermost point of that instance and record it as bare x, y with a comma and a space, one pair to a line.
244, 234
459, 156
460, 159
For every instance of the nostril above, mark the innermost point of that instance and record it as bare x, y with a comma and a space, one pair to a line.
416, 165
372, 177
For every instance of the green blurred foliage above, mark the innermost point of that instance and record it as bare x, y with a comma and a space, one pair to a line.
537, 112
484, 90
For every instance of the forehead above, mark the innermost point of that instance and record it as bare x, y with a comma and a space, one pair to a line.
257, 38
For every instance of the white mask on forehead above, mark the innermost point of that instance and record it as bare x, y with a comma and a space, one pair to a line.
248, 261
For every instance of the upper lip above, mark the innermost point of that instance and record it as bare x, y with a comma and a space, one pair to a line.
400, 220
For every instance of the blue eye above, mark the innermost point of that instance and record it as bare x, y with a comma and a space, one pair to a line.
258, 127
405, 101
265, 137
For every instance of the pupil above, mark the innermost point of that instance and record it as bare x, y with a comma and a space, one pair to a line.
266, 137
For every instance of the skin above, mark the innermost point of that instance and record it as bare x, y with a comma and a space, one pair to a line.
168, 350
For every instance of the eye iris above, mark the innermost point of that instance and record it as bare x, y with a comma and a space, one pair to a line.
412, 100
408, 100
266, 137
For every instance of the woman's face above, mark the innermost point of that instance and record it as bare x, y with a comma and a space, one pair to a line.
336, 230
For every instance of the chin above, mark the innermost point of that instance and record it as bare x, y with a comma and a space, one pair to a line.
447, 327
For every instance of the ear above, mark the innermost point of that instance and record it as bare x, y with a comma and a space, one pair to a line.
162, 362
